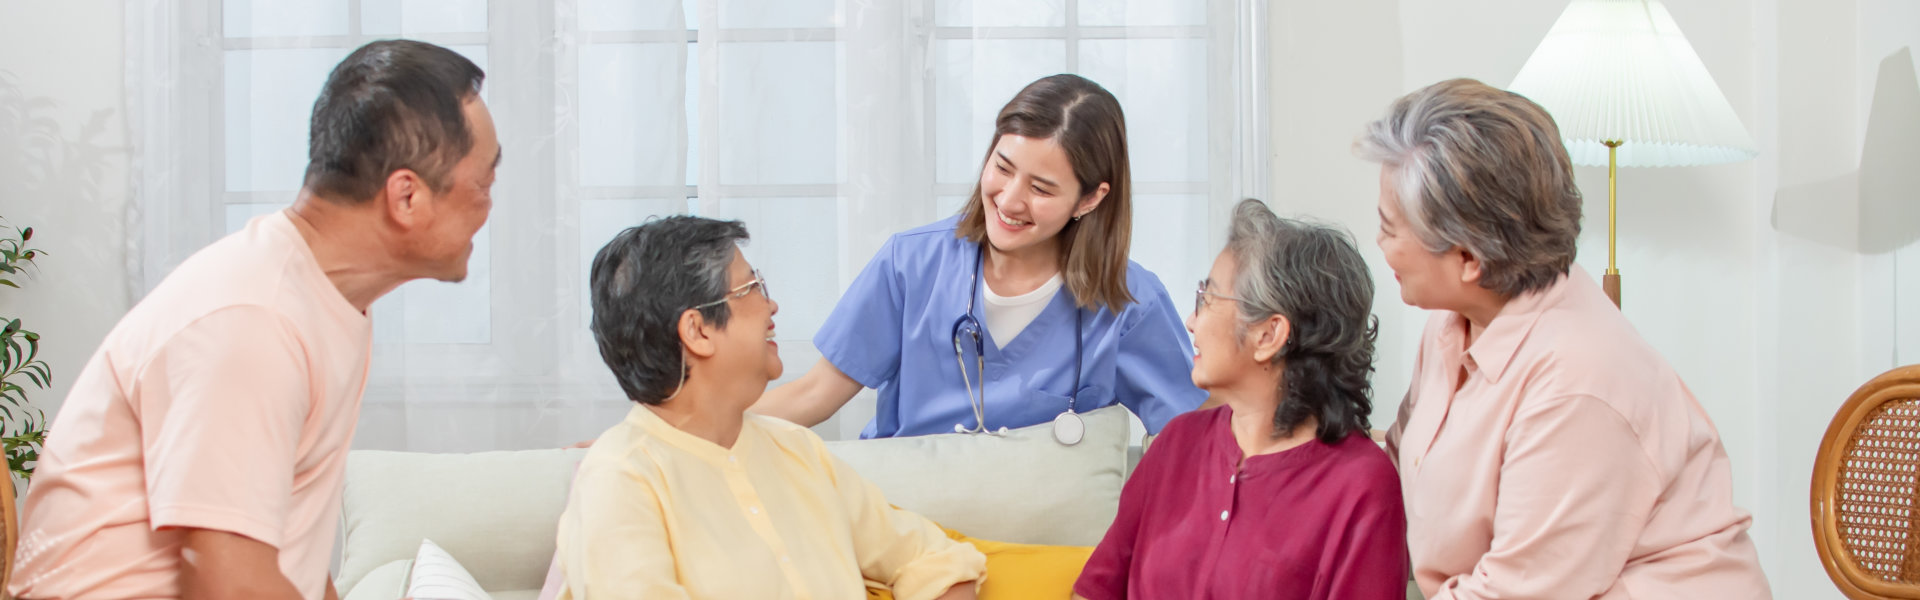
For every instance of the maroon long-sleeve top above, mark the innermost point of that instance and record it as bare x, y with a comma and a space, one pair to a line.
1318, 521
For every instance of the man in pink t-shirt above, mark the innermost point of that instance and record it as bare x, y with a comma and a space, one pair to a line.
201, 451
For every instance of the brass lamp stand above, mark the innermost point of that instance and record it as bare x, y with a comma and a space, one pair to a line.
1611, 281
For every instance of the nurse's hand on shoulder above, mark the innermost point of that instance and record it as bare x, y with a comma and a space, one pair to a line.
812, 398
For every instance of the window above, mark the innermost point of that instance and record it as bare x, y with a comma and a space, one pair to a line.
824, 125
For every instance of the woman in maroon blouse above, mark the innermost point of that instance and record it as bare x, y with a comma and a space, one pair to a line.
1277, 493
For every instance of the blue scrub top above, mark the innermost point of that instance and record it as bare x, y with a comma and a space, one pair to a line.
893, 331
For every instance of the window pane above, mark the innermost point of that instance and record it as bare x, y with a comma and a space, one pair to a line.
600, 220
396, 17
999, 13
973, 79
744, 14
796, 244
630, 114
269, 101
1170, 239
437, 312
260, 18
778, 114
1140, 13
1162, 87
638, 15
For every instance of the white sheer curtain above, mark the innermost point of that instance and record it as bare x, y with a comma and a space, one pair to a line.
825, 125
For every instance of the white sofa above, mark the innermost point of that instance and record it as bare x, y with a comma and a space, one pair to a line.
496, 512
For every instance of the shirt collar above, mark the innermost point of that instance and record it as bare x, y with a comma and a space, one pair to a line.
1494, 350
656, 427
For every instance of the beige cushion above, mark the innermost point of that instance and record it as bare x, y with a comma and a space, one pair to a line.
496, 511
1023, 487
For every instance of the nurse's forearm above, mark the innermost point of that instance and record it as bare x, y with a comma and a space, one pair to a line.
812, 398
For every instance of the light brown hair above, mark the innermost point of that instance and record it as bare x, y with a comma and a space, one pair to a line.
1086, 122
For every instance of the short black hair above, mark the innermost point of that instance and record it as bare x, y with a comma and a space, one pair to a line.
640, 284
390, 105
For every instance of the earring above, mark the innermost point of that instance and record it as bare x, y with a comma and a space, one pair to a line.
1076, 218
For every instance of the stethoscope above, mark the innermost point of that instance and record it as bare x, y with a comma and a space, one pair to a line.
1067, 428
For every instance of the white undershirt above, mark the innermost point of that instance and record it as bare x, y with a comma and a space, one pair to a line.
1007, 316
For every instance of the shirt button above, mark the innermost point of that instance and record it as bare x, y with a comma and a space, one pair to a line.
753, 509
786, 559
731, 459
1233, 478
1223, 515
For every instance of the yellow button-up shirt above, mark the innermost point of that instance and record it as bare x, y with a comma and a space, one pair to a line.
660, 513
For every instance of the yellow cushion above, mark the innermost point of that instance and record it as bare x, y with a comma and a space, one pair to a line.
1018, 571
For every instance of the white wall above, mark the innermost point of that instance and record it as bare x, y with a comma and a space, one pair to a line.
68, 54
1771, 325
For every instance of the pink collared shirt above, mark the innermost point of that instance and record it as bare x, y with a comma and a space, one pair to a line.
1559, 456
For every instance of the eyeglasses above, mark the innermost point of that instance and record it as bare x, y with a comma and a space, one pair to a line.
1200, 296
740, 291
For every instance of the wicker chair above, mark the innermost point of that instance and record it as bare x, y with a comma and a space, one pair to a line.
1866, 490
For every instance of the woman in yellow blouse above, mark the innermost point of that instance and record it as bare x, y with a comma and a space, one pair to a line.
690, 496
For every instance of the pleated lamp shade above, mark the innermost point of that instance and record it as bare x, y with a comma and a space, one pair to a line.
1621, 70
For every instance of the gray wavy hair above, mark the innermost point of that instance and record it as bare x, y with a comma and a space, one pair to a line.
1482, 169
1313, 275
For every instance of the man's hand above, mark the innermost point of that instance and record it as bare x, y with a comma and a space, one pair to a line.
216, 565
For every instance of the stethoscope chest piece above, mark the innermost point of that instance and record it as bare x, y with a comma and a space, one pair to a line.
1068, 428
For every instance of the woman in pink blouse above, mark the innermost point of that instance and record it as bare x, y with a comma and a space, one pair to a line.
1278, 493
1545, 449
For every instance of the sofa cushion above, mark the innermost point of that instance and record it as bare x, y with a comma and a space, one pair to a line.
495, 510
1023, 487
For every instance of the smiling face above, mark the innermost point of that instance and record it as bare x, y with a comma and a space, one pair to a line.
445, 244
1428, 280
1222, 352
747, 346
1029, 193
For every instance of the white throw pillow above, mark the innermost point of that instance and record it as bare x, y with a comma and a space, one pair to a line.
437, 576
1023, 487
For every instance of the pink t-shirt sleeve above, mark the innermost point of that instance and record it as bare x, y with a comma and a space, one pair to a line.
221, 407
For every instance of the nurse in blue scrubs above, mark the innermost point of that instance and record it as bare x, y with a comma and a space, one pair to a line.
1021, 310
